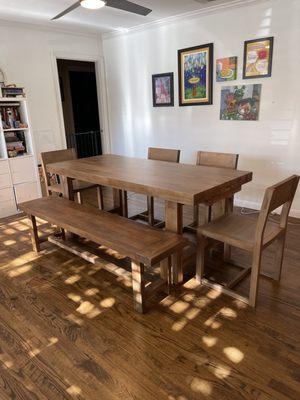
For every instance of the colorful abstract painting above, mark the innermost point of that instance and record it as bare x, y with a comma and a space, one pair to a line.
226, 69
240, 103
195, 75
258, 55
163, 90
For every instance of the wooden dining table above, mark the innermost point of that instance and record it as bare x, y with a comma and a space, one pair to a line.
176, 184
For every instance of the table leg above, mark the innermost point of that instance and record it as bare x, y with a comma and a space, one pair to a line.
174, 223
228, 210
118, 200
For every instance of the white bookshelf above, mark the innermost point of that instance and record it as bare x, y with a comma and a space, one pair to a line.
19, 177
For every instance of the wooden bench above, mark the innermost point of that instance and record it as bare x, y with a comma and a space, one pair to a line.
144, 245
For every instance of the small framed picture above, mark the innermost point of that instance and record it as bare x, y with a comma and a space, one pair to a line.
226, 69
163, 90
258, 55
195, 72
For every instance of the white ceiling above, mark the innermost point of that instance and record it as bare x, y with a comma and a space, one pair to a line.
103, 20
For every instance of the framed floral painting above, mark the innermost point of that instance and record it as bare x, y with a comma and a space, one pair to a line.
163, 90
240, 103
258, 55
195, 70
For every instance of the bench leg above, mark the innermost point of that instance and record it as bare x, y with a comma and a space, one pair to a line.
100, 197
138, 286
200, 258
34, 235
165, 272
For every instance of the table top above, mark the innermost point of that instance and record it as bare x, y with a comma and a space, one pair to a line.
181, 183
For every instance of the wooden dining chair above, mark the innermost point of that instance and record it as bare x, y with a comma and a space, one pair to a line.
253, 236
159, 154
218, 160
53, 184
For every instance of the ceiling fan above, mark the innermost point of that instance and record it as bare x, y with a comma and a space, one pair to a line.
96, 4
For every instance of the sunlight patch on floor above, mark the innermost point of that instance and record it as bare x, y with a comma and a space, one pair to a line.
76, 320
108, 302
233, 354
209, 341
72, 279
220, 371
6, 360
91, 292
74, 390
74, 297
200, 386
19, 271
9, 242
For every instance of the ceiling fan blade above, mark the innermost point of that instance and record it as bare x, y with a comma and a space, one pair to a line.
71, 8
128, 6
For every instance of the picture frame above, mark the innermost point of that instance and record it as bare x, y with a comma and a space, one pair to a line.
258, 58
240, 102
163, 90
195, 75
226, 69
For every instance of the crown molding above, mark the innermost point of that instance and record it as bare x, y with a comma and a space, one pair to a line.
46, 28
180, 17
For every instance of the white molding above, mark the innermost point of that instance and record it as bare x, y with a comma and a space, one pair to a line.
179, 17
39, 26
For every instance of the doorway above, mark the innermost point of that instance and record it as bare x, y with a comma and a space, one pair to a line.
78, 90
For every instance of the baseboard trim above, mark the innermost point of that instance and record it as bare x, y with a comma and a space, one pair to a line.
256, 206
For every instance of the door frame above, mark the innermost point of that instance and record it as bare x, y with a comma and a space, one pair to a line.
101, 95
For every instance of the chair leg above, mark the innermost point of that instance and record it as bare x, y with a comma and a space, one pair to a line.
278, 259
150, 208
196, 215
254, 280
138, 286
200, 257
34, 235
100, 198
125, 203
63, 234
79, 197
227, 252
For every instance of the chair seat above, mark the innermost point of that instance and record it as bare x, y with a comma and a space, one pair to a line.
238, 231
77, 186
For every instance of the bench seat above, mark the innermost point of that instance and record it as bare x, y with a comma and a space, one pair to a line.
144, 245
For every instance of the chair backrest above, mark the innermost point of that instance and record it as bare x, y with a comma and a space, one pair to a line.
160, 154
50, 157
281, 194
221, 160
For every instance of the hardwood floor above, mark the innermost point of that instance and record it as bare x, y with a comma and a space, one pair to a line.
68, 330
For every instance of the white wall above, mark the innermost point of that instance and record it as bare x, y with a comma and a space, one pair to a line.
270, 147
27, 56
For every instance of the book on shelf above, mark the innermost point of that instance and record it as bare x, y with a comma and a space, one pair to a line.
12, 91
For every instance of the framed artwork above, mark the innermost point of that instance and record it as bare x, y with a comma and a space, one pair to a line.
226, 69
240, 103
258, 55
195, 72
163, 90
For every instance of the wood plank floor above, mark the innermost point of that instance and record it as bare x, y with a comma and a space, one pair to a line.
68, 331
